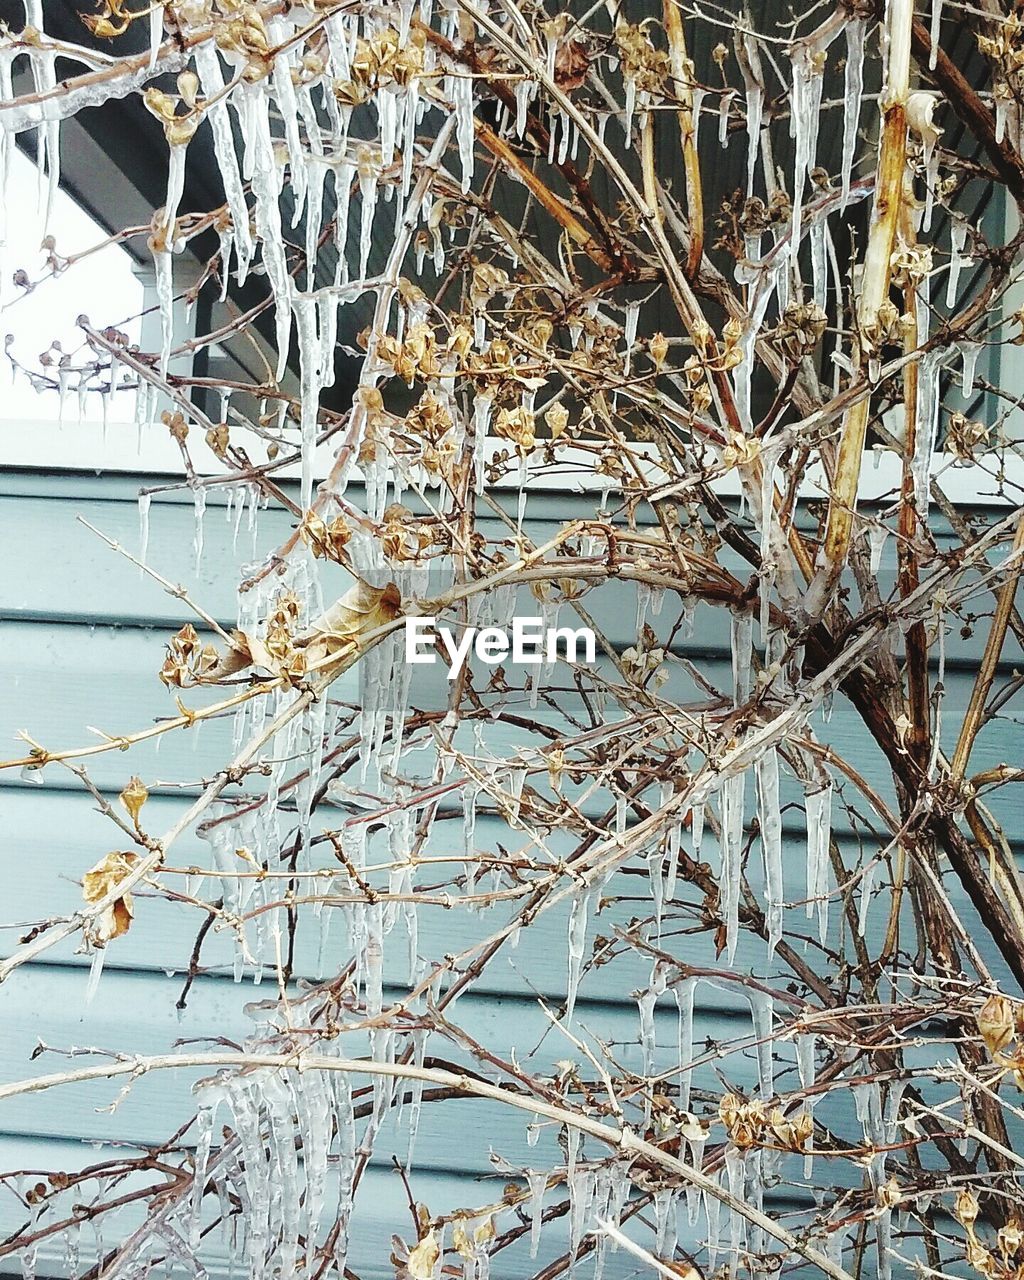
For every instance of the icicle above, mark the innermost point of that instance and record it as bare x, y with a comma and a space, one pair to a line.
44, 77
311, 375
805, 1060
762, 1018
684, 993
537, 1182
969, 362
755, 110
630, 106
145, 499
462, 99
156, 33
581, 1193
928, 406
481, 422
818, 805
162, 263
855, 32
204, 1138
877, 534
766, 770
412, 1124
697, 827
264, 180
524, 91
217, 112
957, 241
646, 1002
731, 802
95, 971
934, 32
803, 123
315, 1113
199, 495
368, 191
819, 261
736, 1173
866, 884
578, 917
632, 316
713, 1209
742, 651
565, 137
723, 117
665, 1237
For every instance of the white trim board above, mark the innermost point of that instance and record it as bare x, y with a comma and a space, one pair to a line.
125, 449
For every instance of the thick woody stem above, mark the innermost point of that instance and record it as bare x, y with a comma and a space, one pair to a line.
682, 75
874, 289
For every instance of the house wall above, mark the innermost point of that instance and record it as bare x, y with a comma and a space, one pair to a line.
81, 642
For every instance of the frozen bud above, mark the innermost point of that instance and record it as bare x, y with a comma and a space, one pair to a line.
542, 330
729, 1107
803, 1129
780, 207
754, 218
177, 426
160, 104
314, 532
720, 53
461, 341
179, 132
889, 1195
1010, 1238
556, 763
218, 438
659, 349
371, 400
339, 533
980, 1259
920, 109
133, 797
557, 419
188, 87
995, 1023
732, 332
888, 315
516, 425
966, 436
748, 1126
365, 163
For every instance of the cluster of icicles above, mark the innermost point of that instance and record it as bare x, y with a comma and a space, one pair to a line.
284, 1189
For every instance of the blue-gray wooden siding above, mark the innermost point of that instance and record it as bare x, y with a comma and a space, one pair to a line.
80, 645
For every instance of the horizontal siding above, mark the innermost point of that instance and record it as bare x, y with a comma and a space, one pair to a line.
81, 644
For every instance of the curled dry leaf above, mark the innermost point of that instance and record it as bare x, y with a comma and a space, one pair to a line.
360, 610
97, 883
423, 1258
